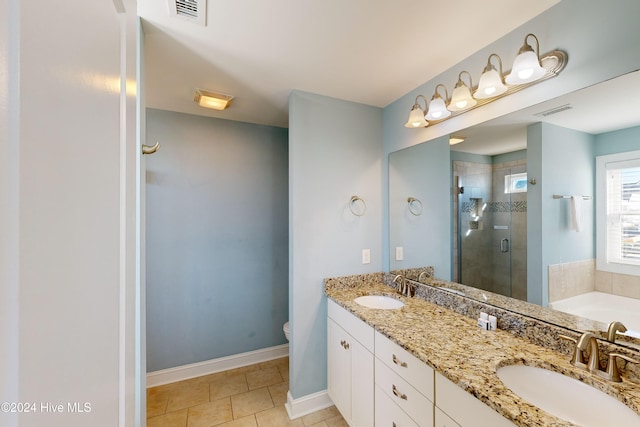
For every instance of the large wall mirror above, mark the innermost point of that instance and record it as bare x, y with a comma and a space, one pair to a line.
510, 185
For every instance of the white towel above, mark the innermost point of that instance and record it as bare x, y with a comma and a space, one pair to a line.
575, 213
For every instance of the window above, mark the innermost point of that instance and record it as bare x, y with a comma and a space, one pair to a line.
618, 214
515, 183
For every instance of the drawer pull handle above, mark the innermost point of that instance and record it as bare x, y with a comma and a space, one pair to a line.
397, 362
344, 344
398, 394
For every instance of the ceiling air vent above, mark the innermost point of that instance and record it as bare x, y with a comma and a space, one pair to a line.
191, 10
554, 110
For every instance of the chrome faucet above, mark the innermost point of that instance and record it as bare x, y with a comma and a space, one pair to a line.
426, 276
615, 327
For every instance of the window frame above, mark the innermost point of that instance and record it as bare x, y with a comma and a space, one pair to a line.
602, 230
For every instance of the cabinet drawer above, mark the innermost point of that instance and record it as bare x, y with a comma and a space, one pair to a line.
410, 400
351, 324
443, 420
388, 414
405, 364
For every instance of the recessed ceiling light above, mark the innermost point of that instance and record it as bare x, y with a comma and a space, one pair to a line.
207, 99
455, 140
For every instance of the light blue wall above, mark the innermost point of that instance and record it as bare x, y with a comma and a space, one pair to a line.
562, 162
469, 157
618, 141
217, 238
509, 157
335, 152
418, 173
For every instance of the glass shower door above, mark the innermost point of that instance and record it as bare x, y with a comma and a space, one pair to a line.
491, 228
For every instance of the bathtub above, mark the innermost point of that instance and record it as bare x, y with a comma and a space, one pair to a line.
604, 308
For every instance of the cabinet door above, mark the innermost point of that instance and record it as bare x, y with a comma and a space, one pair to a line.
362, 377
339, 368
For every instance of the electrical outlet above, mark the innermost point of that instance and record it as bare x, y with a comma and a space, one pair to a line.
399, 253
366, 256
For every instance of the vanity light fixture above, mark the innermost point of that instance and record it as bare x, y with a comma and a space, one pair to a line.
214, 100
529, 68
490, 81
437, 107
461, 98
526, 67
416, 117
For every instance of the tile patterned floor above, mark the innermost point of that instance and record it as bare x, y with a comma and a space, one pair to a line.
252, 396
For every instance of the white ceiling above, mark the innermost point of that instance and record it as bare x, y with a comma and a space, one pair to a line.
604, 107
367, 51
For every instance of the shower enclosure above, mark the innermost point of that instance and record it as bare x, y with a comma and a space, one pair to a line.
490, 226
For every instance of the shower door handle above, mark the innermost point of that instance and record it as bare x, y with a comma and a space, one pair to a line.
504, 245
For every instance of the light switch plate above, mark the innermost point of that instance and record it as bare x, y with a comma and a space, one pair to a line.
366, 256
399, 253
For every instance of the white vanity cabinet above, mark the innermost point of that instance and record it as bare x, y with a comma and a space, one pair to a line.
457, 408
371, 378
404, 386
350, 366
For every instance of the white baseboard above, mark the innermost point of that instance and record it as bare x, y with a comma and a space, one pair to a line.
297, 408
199, 369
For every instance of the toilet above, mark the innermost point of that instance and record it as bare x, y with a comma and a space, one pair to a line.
285, 328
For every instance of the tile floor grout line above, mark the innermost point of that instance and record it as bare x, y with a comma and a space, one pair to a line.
281, 383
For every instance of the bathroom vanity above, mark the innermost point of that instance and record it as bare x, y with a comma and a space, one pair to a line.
425, 365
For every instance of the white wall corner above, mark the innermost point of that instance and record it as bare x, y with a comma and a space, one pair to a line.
212, 366
305, 405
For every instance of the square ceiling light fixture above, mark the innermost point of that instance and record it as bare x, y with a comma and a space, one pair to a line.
214, 100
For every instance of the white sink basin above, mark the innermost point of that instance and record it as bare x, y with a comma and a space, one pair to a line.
379, 301
567, 398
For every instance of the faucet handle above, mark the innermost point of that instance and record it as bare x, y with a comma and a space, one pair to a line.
399, 282
612, 373
578, 357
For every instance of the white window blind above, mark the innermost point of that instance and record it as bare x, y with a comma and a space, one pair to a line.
623, 212
621, 237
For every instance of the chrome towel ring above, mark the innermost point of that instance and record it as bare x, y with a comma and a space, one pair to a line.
415, 206
357, 206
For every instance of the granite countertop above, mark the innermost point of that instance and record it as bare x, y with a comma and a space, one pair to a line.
454, 346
